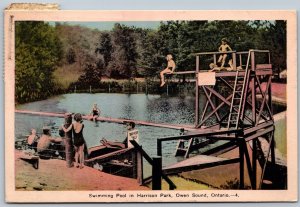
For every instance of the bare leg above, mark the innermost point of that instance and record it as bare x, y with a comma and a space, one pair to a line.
81, 155
223, 60
162, 76
220, 58
76, 156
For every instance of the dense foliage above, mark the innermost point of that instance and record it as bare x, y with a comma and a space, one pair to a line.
38, 53
81, 56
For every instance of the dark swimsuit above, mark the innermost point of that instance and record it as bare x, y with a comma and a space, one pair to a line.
78, 137
95, 112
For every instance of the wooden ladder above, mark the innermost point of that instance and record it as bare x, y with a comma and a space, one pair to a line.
238, 97
182, 149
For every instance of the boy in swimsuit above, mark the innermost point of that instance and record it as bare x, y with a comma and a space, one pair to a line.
224, 47
168, 70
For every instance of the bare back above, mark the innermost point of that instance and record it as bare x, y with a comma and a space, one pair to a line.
77, 127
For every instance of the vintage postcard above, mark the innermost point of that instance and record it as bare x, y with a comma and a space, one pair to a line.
150, 106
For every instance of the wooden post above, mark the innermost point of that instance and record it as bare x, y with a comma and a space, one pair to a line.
109, 88
254, 156
156, 173
139, 160
272, 151
137, 87
146, 88
252, 85
241, 61
234, 60
241, 153
159, 153
215, 59
167, 89
90, 89
197, 92
75, 90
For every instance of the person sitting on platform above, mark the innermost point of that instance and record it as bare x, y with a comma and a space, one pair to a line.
121, 145
44, 143
168, 70
224, 47
32, 140
95, 112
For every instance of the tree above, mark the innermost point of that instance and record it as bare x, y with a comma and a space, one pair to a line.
90, 77
124, 57
105, 47
38, 52
71, 56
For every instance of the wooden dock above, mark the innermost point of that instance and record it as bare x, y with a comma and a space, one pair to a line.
112, 120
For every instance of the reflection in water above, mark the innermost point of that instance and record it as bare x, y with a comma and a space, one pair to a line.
153, 108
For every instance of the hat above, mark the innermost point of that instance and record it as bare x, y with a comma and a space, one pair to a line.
78, 117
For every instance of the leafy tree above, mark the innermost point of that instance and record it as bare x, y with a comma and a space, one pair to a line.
71, 56
124, 57
90, 77
38, 51
105, 47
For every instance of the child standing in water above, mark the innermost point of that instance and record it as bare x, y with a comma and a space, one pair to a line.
224, 47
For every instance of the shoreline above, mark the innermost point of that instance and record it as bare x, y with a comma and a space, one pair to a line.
53, 175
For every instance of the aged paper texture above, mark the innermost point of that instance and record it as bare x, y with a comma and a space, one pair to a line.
77, 83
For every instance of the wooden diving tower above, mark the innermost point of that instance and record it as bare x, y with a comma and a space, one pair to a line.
233, 112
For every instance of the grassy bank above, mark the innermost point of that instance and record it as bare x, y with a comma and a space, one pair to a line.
281, 133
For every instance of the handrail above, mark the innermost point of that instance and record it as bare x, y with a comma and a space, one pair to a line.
172, 186
186, 137
205, 133
215, 53
233, 51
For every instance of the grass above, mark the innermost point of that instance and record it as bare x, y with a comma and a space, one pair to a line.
67, 74
280, 136
183, 184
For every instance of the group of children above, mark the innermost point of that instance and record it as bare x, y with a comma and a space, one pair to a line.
224, 48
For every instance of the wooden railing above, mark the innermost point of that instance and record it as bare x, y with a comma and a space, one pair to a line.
157, 173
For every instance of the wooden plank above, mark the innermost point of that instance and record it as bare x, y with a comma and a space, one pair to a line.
183, 72
260, 133
108, 155
203, 133
108, 119
215, 53
258, 127
263, 66
196, 163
